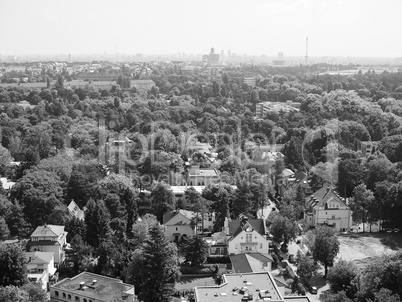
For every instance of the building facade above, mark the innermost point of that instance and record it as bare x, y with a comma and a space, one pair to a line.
49, 238
88, 287
325, 207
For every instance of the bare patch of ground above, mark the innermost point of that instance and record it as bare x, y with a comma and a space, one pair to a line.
361, 248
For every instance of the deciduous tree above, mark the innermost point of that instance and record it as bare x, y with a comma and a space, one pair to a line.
13, 268
326, 247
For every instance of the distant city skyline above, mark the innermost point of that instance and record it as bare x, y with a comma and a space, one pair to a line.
345, 28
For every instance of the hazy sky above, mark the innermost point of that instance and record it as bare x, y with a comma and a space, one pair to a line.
334, 27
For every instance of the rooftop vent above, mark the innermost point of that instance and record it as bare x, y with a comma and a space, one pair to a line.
82, 284
94, 282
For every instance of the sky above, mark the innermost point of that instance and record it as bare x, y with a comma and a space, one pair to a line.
348, 28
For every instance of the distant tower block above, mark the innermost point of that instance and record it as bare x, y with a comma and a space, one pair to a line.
280, 56
307, 51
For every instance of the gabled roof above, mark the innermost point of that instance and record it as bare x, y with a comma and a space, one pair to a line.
237, 226
39, 257
299, 175
183, 220
48, 231
249, 262
320, 198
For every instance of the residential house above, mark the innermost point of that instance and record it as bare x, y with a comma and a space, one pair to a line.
143, 84
7, 185
197, 176
75, 211
259, 286
251, 262
325, 207
88, 287
178, 226
49, 238
300, 179
247, 235
40, 266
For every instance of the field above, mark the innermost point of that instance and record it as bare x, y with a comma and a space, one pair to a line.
360, 248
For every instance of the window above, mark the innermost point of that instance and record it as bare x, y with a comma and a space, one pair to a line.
85, 300
333, 216
209, 218
64, 295
260, 245
56, 293
69, 297
176, 229
77, 298
249, 237
236, 246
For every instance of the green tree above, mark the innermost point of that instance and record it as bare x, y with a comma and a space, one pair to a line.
306, 268
221, 196
341, 275
198, 205
361, 203
97, 219
13, 268
84, 178
35, 292
16, 221
327, 296
12, 293
120, 198
382, 272
40, 193
4, 231
326, 247
162, 199
154, 269
141, 229
282, 228
385, 295
80, 250
195, 251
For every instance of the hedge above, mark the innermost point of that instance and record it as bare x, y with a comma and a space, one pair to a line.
218, 259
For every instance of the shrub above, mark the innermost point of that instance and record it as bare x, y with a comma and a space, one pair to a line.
218, 259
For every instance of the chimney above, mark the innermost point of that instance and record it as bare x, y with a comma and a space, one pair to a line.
94, 282
82, 284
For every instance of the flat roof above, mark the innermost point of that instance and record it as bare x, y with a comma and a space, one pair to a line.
257, 283
105, 288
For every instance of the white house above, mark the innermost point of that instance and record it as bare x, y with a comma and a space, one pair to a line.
178, 225
40, 266
325, 207
49, 238
247, 235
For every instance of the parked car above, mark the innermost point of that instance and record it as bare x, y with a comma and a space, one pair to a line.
313, 290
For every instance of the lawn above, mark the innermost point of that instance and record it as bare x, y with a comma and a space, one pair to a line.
362, 247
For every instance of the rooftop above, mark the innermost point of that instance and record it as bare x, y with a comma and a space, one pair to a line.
104, 289
39, 257
236, 226
249, 262
203, 172
321, 197
262, 285
48, 231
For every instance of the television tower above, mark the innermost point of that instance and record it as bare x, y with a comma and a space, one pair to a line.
306, 51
